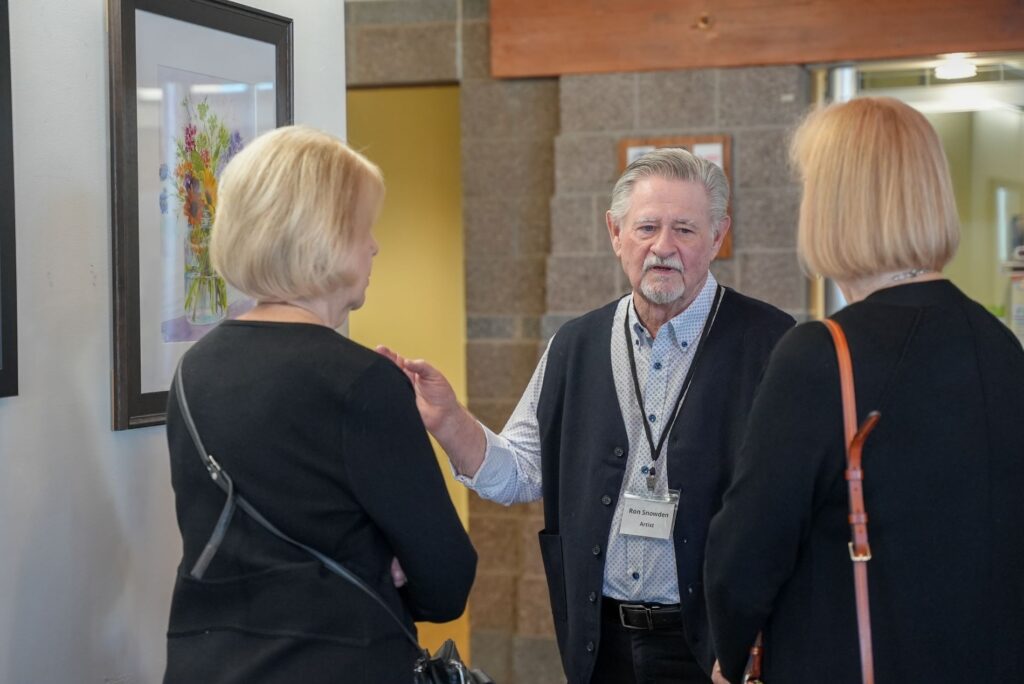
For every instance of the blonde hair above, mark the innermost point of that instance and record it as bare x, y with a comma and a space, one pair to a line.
877, 195
290, 205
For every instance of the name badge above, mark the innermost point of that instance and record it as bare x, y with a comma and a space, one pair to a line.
652, 517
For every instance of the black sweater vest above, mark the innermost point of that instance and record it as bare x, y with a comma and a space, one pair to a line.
584, 449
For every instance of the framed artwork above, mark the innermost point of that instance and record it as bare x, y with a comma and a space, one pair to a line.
714, 148
1008, 210
192, 81
8, 281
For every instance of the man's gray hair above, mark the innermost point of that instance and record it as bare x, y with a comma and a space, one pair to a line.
673, 163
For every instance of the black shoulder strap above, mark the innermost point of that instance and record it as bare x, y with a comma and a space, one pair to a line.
223, 480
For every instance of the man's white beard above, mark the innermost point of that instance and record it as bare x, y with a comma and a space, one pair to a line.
661, 294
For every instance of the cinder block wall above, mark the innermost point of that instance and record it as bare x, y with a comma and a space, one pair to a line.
539, 158
508, 130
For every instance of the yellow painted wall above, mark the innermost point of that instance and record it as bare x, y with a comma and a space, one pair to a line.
416, 300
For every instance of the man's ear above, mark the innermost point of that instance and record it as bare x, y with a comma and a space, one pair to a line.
723, 229
613, 232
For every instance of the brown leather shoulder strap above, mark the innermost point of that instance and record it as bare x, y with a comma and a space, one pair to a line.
860, 550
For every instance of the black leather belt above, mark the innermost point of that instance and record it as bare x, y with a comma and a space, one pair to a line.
641, 615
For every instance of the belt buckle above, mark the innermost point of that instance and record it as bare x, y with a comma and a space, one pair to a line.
635, 606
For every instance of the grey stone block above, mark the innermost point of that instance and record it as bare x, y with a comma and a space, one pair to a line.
602, 102
476, 50
494, 414
762, 159
536, 660
533, 611
774, 277
499, 370
574, 224
726, 273
506, 167
550, 323
491, 327
476, 9
492, 652
505, 225
766, 218
676, 99
586, 163
529, 327
411, 53
580, 283
505, 109
489, 225
492, 603
359, 12
498, 285
533, 239
762, 95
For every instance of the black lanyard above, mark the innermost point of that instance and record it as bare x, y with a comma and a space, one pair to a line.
708, 322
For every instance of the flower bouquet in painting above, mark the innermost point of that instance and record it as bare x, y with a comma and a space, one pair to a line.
201, 152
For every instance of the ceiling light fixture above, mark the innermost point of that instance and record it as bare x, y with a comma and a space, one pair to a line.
956, 66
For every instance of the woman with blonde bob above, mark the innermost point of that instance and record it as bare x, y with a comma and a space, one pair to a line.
943, 469
319, 434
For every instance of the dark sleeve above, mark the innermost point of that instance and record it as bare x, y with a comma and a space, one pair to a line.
397, 481
754, 540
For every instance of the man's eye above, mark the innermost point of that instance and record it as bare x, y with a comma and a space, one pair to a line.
647, 229
683, 230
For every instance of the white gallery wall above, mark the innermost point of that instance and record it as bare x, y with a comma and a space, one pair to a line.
88, 544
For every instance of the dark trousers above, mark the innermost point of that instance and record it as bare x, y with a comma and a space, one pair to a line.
656, 656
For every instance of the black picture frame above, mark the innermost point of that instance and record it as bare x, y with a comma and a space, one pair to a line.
8, 271
133, 407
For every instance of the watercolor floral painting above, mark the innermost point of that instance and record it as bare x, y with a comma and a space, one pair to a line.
205, 146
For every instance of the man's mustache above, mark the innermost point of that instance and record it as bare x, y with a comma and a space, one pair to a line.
655, 261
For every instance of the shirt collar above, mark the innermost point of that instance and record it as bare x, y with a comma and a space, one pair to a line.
687, 324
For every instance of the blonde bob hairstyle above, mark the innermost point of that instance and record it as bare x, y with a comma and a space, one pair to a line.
290, 206
877, 195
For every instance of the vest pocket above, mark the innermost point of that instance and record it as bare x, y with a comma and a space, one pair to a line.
554, 568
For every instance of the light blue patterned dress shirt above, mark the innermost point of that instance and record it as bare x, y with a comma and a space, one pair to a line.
636, 568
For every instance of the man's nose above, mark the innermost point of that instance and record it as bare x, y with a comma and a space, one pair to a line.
663, 242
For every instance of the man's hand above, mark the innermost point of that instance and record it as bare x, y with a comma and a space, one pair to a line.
445, 418
716, 674
435, 397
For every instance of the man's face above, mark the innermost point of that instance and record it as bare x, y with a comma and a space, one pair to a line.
665, 241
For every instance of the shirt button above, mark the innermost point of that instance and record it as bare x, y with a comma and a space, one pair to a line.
596, 550
590, 647
657, 365
592, 597
652, 417
635, 575
684, 344
606, 500
619, 453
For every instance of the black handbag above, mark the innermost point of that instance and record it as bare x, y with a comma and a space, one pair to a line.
444, 667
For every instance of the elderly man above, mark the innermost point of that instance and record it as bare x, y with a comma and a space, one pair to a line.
628, 430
